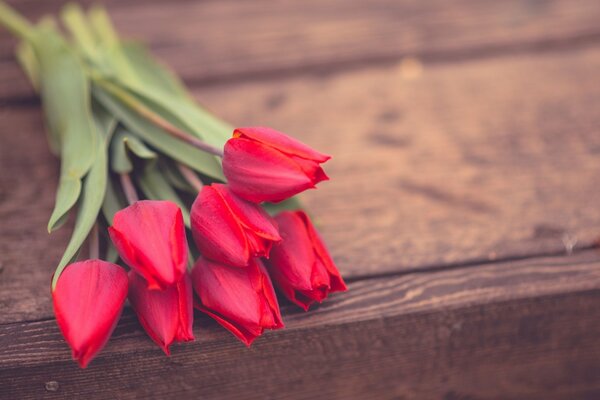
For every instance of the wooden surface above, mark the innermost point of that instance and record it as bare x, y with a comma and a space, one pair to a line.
463, 206
470, 332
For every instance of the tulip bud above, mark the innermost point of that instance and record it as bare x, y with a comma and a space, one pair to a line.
88, 299
166, 315
300, 265
230, 230
242, 300
262, 164
150, 237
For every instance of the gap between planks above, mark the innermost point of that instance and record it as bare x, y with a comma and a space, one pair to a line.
588, 254
563, 45
474, 263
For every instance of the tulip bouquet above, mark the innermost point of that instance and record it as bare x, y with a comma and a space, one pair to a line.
146, 168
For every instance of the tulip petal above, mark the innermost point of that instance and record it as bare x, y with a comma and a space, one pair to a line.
150, 238
271, 313
245, 335
242, 300
249, 215
300, 265
88, 300
281, 142
228, 292
259, 173
217, 233
336, 281
312, 169
164, 314
185, 332
294, 255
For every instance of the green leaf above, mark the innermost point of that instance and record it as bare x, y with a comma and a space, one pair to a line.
156, 187
112, 61
66, 100
113, 201
93, 194
162, 91
181, 112
137, 147
27, 60
123, 143
101, 25
15, 23
29, 63
112, 255
290, 204
150, 70
158, 138
174, 177
76, 22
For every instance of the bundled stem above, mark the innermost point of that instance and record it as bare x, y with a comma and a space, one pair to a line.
128, 188
156, 119
94, 243
191, 177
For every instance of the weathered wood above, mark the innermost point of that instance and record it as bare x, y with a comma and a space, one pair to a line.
456, 163
215, 41
468, 162
438, 169
515, 330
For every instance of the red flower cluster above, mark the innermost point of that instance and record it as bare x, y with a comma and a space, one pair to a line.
232, 232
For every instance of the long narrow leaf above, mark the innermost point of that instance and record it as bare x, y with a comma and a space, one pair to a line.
66, 99
124, 143
159, 139
156, 187
76, 22
93, 194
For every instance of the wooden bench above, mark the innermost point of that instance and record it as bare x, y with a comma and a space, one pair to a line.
463, 206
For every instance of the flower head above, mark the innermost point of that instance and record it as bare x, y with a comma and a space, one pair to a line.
262, 164
300, 264
240, 299
150, 237
88, 299
229, 229
166, 315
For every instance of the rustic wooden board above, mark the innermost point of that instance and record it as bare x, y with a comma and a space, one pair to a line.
214, 41
462, 135
465, 162
447, 168
506, 330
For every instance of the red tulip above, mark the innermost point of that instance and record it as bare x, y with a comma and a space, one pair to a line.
262, 164
88, 299
242, 300
231, 230
150, 237
166, 315
300, 265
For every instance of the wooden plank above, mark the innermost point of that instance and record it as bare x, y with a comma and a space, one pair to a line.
468, 162
215, 41
444, 164
513, 330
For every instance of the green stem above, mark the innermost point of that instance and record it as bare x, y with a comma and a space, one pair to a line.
128, 188
94, 243
156, 119
15, 23
190, 176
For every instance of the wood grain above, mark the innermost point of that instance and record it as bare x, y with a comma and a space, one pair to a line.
456, 144
215, 41
466, 163
514, 330
444, 164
